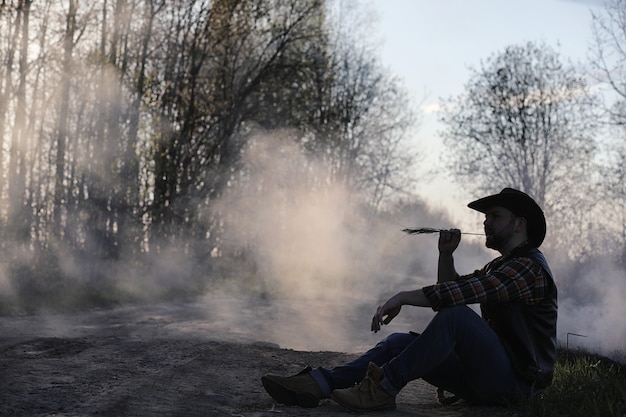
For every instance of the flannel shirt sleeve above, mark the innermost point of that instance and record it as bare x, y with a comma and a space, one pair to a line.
517, 279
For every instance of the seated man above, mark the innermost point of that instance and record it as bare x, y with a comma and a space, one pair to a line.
506, 355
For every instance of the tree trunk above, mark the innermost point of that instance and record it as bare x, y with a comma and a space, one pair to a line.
5, 98
62, 129
17, 167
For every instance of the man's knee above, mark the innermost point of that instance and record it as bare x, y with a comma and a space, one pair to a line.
396, 342
453, 316
456, 312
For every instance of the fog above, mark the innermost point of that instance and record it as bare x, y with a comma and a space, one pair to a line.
325, 267
594, 314
322, 265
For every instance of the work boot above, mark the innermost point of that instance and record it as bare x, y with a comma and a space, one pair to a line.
300, 389
368, 395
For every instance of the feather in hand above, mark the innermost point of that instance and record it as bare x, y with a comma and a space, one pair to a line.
428, 230
421, 230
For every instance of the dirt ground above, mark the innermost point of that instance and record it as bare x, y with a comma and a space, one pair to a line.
144, 361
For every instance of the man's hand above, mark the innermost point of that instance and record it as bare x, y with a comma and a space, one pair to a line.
448, 241
387, 312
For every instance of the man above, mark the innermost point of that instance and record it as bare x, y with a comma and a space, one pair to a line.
506, 355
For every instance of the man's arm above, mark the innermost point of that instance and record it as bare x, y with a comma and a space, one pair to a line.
448, 242
388, 311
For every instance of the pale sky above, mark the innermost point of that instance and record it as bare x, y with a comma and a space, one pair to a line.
431, 43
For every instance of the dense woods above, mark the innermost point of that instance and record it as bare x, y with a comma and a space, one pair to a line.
123, 123
153, 138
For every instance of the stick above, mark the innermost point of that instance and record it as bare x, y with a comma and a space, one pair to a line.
427, 230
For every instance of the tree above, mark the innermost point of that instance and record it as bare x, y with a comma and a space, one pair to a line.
223, 61
360, 113
608, 56
11, 22
60, 190
608, 59
525, 120
123, 122
17, 165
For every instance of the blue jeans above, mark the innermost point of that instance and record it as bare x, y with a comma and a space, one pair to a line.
457, 351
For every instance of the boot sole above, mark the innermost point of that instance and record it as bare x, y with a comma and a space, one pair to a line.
288, 396
378, 408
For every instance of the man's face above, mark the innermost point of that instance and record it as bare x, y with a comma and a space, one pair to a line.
499, 227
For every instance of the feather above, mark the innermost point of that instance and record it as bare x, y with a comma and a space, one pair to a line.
429, 230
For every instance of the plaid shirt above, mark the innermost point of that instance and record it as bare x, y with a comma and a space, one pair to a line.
505, 279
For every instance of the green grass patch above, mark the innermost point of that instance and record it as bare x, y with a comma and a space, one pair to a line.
585, 385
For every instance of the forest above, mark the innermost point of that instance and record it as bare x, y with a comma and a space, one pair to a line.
188, 143
123, 124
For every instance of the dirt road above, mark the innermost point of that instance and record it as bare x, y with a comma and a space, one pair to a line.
144, 361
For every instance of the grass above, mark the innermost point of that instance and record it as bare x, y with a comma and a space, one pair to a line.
585, 385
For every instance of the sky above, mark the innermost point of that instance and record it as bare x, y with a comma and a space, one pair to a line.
430, 44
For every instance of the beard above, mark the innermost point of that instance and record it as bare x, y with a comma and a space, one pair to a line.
498, 240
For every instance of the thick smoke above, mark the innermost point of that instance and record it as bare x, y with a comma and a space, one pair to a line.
324, 263
592, 310
317, 264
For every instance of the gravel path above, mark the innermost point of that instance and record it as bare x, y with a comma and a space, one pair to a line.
144, 361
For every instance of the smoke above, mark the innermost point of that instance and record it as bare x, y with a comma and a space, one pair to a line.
323, 263
300, 231
592, 310
306, 237
315, 264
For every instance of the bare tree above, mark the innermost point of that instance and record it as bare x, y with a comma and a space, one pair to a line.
525, 120
122, 122
361, 113
11, 21
62, 130
17, 165
608, 60
608, 56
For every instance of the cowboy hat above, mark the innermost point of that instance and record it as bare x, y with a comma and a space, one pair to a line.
522, 205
